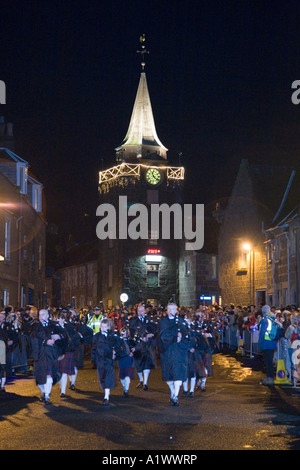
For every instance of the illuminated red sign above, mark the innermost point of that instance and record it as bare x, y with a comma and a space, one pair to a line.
153, 251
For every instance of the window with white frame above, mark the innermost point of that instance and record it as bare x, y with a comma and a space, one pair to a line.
7, 239
22, 177
37, 197
187, 271
6, 296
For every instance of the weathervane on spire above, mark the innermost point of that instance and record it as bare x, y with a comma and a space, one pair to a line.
143, 51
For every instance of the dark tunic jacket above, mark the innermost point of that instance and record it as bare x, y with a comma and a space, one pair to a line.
144, 356
102, 356
173, 354
44, 356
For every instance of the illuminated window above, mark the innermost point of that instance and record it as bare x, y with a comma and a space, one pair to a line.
152, 278
7, 240
6, 296
37, 197
22, 177
187, 268
214, 267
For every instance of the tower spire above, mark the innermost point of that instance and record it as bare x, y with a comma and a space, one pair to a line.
143, 51
141, 140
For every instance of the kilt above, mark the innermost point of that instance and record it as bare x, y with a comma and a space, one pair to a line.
126, 367
67, 365
126, 373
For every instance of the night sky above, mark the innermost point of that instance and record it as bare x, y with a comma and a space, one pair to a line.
219, 76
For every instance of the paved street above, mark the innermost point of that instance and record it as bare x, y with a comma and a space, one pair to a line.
235, 412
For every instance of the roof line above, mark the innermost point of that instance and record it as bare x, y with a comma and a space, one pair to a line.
13, 155
285, 194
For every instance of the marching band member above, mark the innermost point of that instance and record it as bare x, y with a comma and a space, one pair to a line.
173, 343
144, 331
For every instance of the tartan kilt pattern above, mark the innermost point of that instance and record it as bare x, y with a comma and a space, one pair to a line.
129, 372
67, 365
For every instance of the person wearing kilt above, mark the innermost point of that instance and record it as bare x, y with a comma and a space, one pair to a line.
68, 343
45, 353
174, 342
124, 357
8, 341
103, 355
143, 330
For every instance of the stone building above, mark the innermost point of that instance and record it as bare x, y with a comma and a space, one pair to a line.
198, 270
143, 265
22, 228
283, 248
75, 281
256, 197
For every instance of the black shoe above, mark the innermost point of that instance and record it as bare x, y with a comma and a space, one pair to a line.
105, 402
47, 401
184, 393
2, 389
125, 394
72, 387
62, 395
139, 385
203, 389
145, 387
42, 399
191, 395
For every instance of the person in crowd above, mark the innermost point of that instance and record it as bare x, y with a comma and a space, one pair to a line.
66, 362
103, 355
8, 341
173, 344
292, 334
267, 345
77, 324
143, 330
45, 353
94, 320
124, 356
194, 360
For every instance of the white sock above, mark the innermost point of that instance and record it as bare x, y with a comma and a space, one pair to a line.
3, 381
140, 374
171, 387
177, 385
63, 383
42, 389
73, 377
125, 383
146, 375
185, 385
193, 383
203, 382
106, 393
48, 386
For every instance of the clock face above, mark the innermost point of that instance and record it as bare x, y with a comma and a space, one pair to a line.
153, 176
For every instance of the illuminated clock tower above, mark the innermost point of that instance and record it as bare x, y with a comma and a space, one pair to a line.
144, 268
